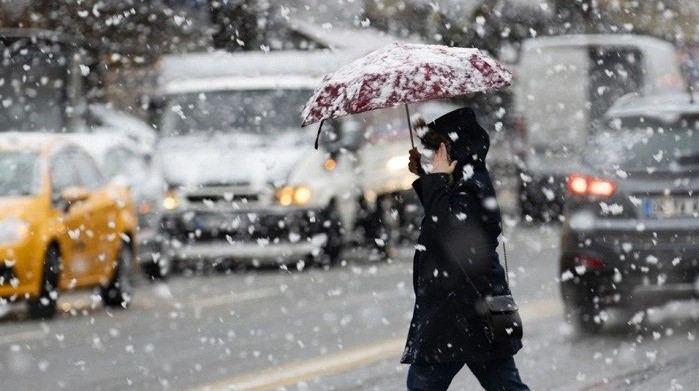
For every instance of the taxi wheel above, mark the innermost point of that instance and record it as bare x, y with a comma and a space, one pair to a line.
44, 306
118, 293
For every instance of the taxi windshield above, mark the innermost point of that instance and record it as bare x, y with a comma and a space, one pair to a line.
19, 173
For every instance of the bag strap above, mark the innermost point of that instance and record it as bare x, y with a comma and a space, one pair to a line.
507, 274
478, 293
504, 252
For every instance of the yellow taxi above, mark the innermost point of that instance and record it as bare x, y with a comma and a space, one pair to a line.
62, 227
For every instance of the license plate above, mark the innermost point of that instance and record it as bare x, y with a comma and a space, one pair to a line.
669, 207
222, 222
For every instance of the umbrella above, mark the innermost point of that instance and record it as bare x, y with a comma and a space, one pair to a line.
403, 73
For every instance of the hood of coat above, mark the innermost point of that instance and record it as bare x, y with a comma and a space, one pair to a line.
470, 142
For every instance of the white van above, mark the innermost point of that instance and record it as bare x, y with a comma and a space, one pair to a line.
564, 84
244, 183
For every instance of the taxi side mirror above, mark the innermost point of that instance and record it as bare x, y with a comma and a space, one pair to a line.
74, 194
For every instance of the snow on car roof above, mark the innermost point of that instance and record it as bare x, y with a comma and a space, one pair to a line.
32, 141
593, 39
241, 83
286, 68
357, 40
98, 144
117, 121
664, 106
177, 68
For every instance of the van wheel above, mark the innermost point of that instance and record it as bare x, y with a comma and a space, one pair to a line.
118, 292
44, 305
332, 227
389, 227
158, 270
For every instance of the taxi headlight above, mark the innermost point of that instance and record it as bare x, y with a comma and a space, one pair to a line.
171, 201
294, 195
13, 230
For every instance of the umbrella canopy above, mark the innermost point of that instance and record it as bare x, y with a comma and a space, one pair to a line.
403, 73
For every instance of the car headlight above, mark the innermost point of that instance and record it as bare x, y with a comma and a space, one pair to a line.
398, 163
13, 230
171, 200
294, 195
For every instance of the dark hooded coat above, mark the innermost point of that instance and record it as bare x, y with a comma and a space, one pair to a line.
460, 212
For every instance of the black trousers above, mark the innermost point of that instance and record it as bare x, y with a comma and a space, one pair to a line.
495, 375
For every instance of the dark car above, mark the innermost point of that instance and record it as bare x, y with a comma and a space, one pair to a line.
629, 240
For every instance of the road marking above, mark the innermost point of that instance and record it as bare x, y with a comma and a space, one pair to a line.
234, 297
22, 337
273, 378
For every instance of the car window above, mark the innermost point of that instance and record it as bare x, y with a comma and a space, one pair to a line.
120, 160
613, 73
89, 175
63, 172
19, 173
114, 161
644, 143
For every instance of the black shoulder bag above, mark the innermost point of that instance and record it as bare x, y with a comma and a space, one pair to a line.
500, 314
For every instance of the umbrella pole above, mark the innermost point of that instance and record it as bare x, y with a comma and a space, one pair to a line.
410, 126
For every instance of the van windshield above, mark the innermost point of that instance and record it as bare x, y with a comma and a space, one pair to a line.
18, 173
264, 112
644, 144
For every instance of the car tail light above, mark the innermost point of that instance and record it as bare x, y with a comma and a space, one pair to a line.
593, 263
583, 185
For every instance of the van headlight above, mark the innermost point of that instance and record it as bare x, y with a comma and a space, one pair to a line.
294, 195
398, 163
13, 230
171, 200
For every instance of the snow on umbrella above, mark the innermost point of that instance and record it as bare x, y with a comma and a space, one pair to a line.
403, 73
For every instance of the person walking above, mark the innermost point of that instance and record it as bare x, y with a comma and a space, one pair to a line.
446, 331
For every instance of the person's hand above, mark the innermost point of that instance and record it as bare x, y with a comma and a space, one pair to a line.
414, 164
440, 161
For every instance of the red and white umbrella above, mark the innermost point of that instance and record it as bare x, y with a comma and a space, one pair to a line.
403, 73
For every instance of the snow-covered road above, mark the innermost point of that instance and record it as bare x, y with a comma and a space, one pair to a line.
338, 329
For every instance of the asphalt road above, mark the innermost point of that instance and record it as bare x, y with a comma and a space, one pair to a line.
338, 329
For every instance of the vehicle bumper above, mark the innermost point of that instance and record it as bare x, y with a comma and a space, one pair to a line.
18, 279
645, 263
275, 236
247, 252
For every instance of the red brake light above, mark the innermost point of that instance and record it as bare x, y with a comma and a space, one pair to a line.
589, 262
583, 185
